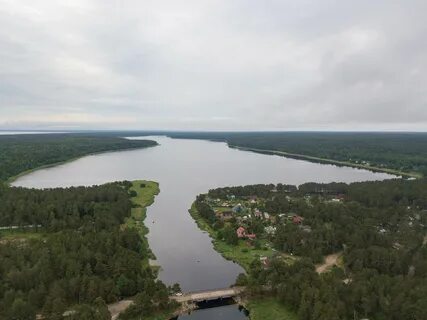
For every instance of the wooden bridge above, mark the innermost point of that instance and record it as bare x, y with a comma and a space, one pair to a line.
209, 295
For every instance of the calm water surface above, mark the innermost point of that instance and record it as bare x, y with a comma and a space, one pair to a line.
184, 169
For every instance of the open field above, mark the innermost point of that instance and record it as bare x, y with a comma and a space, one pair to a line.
269, 309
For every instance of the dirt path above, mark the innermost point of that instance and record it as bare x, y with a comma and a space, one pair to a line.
118, 307
330, 261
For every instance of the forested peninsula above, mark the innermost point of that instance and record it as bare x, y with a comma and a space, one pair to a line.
324, 251
70, 252
21, 153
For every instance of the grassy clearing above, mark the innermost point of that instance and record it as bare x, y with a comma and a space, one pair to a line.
146, 191
11, 235
269, 309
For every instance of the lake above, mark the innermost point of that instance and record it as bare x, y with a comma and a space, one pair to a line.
184, 169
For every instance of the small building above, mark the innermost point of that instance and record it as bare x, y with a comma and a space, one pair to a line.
264, 261
270, 230
238, 208
251, 236
224, 215
241, 232
258, 214
296, 219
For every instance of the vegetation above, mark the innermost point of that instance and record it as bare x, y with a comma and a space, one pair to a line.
402, 152
86, 256
143, 193
378, 227
239, 252
21, 153
269, 309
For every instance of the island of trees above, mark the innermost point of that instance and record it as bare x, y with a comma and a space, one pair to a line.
326, 251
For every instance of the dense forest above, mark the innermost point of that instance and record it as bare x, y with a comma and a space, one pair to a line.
378, 228
19, 153
405, 152
72, 253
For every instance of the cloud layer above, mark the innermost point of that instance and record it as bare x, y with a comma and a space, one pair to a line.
213, 64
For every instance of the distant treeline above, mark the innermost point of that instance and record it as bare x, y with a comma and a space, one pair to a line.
77, 253
400, 151
19, 153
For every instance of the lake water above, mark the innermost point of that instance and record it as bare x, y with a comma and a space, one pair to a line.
184, 169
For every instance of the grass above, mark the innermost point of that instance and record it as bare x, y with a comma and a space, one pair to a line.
12, 235
269, 309
146, 191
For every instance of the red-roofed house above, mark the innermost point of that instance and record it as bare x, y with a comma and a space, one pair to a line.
241, 232
297, 219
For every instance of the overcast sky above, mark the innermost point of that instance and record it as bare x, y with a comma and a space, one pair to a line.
213, 65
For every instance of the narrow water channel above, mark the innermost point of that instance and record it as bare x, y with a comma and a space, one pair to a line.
184, 169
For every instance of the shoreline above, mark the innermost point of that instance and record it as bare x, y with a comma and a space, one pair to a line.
256, 306
329, 161
12, 179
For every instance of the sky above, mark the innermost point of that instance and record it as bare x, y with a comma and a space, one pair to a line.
213, 65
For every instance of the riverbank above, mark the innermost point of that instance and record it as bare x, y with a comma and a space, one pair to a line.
144, 194
239, 254
12, 179
260, 308
330, 161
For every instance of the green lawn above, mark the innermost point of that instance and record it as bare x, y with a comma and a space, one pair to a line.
269, 309
144, 198
19, 234
243, 254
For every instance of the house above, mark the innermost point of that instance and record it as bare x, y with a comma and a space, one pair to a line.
241, 232
266, 215
258, 214
238, 208
224, 215
296, 219
270, 230
264, 261
251, 236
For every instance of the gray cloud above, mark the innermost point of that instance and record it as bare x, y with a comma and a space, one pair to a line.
205, 64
